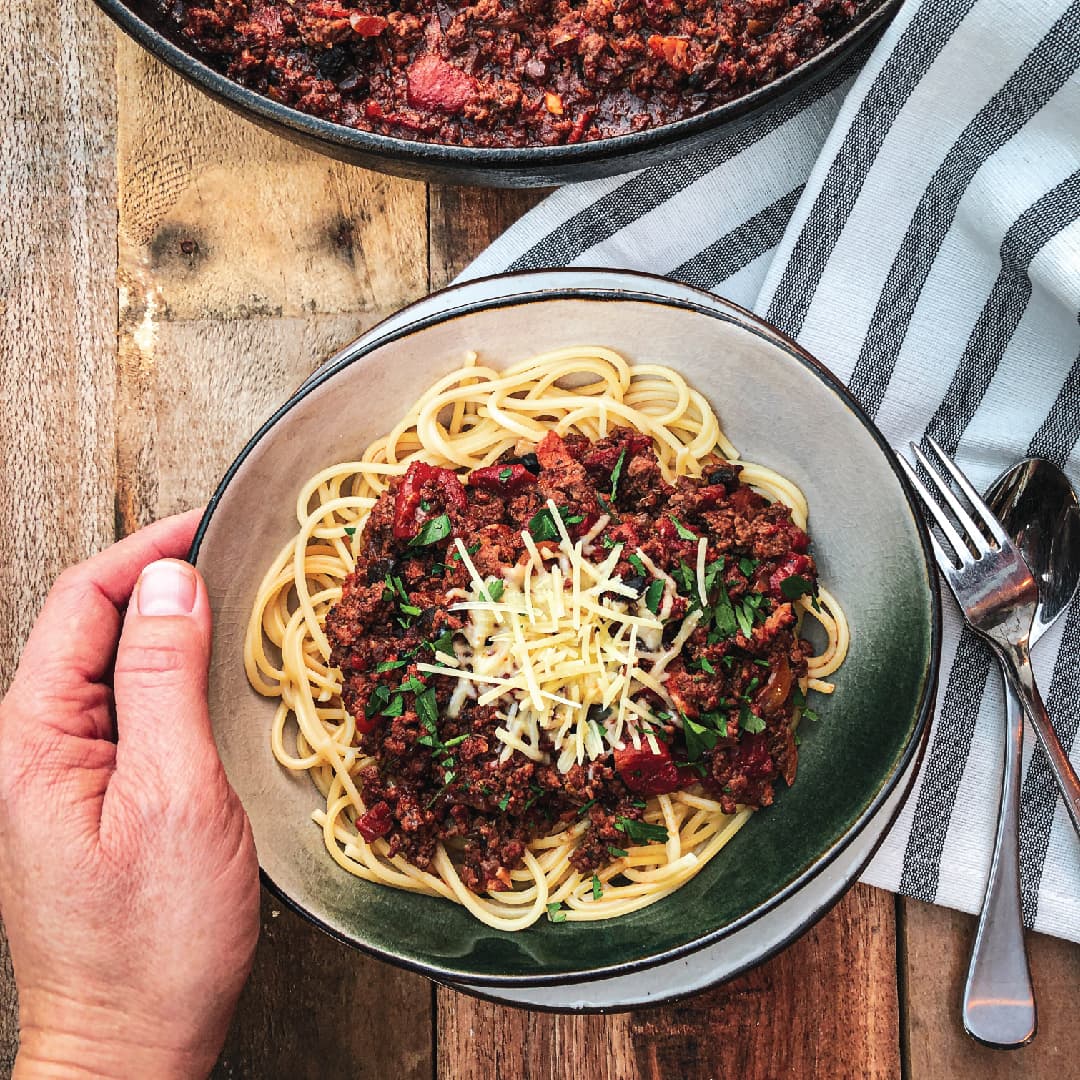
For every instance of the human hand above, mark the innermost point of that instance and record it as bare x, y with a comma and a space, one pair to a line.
128, 880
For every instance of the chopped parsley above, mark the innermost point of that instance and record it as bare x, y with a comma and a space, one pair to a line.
810, 714
504, 802
389, 665
555, 912
748, 566
706, 666
795, 586
750, 722
653, 594
444, 643
616, 473
635, 561
699, 738
617, 852
505, 474
434, 530
584, 807
350, 530
494, 590
597, 888
542, 526
682, 530
427, 709
472, 549
641, 830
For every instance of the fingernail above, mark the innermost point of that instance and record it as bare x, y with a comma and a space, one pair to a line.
167, 587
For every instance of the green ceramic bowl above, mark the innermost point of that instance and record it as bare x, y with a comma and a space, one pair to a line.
781, 408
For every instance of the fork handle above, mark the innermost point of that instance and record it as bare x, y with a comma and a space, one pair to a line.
999, 1003
1017, 664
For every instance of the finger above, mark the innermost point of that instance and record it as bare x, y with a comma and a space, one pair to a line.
74, 639
160, 677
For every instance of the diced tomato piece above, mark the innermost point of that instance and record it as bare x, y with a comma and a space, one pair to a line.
800, 542
793, 564
408, 513
647, 773
552, 452
367, 25
436, 84
376, 822
672, 50
752, 754
504, 479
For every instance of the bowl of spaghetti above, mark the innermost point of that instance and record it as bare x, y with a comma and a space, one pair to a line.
564, 631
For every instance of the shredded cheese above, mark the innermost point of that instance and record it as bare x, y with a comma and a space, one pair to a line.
566, 634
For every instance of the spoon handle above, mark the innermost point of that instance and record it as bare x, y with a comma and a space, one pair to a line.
1017, 664
999, 1004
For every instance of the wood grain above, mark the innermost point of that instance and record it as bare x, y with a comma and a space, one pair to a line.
825, 1007
936, 947
57, 322
243, 264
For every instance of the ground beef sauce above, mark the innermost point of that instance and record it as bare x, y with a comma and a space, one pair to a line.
439, 778
496, 73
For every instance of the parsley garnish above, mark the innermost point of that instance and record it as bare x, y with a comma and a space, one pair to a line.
542, 526
745, 618
706, 666
472, 549
607, 542
584, 807
350, 530
749, 721
505, 474
797, 696
396, 706
617, 472
682, 530
389, 665
699, 738
748, 566
762, 663
653, 594
617, 852
795, 586
377, 701
494, 590
504, 802
724, 619
555, 912
438, 528
597, 888
641, 830
635, 561
409, 609
427, 709
444, 643
574, 519
810, 714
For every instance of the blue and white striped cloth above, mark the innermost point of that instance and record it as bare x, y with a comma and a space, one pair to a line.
914, 221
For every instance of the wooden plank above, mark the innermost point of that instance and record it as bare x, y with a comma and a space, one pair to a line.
57, 322
825, 1007
464, 221
935, 951
244, 263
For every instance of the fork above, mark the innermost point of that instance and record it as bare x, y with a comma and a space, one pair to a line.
997, 594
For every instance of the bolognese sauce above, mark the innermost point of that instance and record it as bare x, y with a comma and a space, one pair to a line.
708, 561
496, 73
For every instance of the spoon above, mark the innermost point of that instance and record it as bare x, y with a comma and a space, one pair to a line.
1038, 508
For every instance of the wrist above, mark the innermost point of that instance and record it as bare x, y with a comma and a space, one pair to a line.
66, 1040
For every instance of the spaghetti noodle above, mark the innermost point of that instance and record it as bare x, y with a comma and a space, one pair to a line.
472, 419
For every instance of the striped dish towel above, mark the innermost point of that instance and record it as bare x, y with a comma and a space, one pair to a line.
913, 221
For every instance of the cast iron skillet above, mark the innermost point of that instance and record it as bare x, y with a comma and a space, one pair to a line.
500, 167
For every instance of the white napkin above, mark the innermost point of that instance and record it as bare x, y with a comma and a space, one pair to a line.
915, 223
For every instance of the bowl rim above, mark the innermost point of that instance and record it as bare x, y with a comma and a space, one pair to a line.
713, 307
188, 63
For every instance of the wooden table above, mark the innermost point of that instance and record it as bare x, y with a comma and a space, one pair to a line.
168, 274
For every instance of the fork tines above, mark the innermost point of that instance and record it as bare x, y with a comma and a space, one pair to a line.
974, 539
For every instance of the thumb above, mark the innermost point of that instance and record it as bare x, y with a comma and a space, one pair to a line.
159, 681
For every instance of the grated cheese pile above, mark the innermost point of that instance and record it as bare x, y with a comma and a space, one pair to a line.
562, 635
